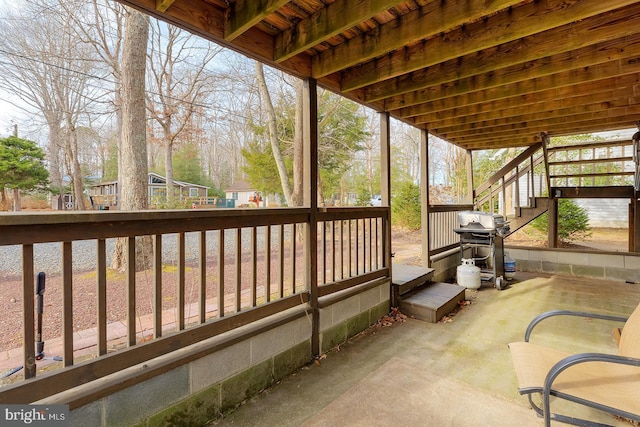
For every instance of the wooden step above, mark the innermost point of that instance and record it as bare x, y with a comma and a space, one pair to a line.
432, 302
405, 278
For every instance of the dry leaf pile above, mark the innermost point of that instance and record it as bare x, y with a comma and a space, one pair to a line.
394, 316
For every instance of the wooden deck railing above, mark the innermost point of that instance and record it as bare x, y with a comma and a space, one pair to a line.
593, 164
443, 219
213, 271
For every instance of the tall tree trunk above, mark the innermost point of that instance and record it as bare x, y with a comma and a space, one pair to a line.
76, 170
17, 204
273, 133
133, 190
53, 158
4, 202
168, 164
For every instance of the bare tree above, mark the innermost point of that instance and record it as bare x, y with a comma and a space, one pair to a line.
51, 75
99, 24
178, 84
273, 132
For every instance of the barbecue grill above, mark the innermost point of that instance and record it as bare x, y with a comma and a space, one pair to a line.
483, 233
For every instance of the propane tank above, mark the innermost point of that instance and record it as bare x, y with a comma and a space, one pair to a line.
509, 266
468, 274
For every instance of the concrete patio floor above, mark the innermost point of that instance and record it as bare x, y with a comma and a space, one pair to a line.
456, 373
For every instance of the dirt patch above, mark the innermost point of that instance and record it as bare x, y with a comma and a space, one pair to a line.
602, 239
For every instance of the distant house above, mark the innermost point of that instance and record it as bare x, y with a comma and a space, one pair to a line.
105, 194
245, 195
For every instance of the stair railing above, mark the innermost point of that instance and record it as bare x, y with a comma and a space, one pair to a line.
491, 195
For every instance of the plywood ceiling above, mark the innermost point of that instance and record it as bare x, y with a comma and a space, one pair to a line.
478, 73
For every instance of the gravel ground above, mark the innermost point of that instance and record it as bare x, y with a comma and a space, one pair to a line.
47, 258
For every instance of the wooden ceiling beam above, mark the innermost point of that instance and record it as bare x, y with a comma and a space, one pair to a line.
533, 114
504, 27
435, 17
530, 52
512, 109
560, 122
553, 87
526, 138
573, 77
629, 122
334, 19
522, 140
244, 14
570, 128
163, 5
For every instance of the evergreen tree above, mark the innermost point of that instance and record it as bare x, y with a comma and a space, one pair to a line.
573, 222
405, 207
21, 166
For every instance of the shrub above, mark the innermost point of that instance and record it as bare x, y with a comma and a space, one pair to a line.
405, 207
573, 222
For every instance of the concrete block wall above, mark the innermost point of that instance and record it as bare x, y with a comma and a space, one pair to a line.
623, 267
343, 316
238, 365
446, 264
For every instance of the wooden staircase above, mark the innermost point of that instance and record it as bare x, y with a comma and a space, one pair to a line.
525, 215
595, 169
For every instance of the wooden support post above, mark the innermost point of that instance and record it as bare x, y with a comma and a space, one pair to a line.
553, 222
310, 143
516, 183
471, 194
532, 201
424, 197
634, 206
545, 153
385, 192
634, 225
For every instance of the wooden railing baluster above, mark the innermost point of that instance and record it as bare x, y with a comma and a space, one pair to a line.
157, 285
29, 355
101, 295
131, 290
202, 267
180, 292
221, 257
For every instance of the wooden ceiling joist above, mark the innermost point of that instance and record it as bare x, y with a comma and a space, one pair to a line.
244, 14
533, 115
558, 125
526, 93
163, 5
596, 37
507, 26
336, 18
432, 19
520, 108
